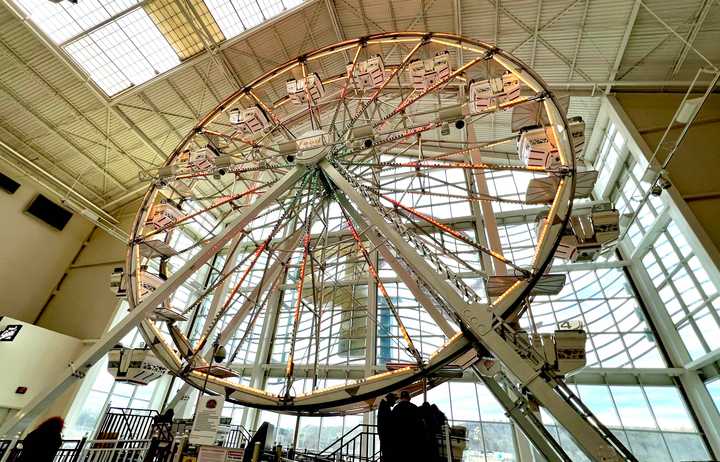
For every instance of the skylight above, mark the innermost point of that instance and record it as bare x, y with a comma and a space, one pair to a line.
127, 51
62, 21
122, 43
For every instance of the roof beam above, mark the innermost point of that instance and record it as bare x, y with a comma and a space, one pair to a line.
192, 16
697, 26
337, 26
529, 30
535, 35
458, 28
54, 130
7, 132
546, 25
676, 34
623, 44
578, 40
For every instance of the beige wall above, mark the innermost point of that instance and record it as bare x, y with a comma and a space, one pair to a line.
84, 305
33, 255
695, 168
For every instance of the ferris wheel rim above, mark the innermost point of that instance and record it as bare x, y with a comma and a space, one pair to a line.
336, 48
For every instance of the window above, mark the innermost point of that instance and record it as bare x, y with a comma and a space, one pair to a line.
685, 289
124, 43
100, 390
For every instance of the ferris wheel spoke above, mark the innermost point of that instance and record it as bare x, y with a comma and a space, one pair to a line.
255, 257
408, 57
234, 137
452, 232
381, 287
192, 216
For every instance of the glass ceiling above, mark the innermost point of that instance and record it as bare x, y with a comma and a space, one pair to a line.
124, 43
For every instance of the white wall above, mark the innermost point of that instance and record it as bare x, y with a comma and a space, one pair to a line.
33, 255
34, 359
84, 304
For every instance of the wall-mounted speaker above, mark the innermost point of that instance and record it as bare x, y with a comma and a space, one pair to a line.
49, 212
8, 185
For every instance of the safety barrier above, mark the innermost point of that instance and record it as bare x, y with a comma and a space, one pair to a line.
126, 423
85, 450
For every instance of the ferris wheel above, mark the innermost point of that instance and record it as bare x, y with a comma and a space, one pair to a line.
295, 214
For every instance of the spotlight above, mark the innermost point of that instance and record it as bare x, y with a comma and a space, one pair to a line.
661, 184
220, 354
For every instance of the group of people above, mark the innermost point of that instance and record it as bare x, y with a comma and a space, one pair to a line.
408, 432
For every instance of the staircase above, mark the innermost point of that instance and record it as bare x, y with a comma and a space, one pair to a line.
359, 444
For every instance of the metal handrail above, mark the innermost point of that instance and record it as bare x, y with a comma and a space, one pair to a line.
345, 435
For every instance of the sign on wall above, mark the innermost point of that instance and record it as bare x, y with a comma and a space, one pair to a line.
9, 332
207, 420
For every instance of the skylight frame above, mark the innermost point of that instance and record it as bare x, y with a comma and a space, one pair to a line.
237, 16
125, 51
64, 30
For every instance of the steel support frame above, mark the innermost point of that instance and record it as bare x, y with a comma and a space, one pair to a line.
478, 319
534, 432
77, 369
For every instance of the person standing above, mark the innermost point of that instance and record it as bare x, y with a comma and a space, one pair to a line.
409, 431
43, 443
385, 428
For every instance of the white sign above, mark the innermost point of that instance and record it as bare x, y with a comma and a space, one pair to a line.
207, 420
210, 454
315, 139
235, 455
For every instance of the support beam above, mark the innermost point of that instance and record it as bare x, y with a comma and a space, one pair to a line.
623, 44
479, 322
697, 26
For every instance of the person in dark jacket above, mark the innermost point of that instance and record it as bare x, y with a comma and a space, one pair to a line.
161, 434
385, 428
43, 443
409, 431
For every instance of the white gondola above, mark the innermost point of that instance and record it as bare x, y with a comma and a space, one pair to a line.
202, 159
149, 283
368, 74
427, 72
485, 94
164, 213
152, 248
537, 146
300, 89
250, 121
588, 234
138, 366
564, 350
543, 190
118, 282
